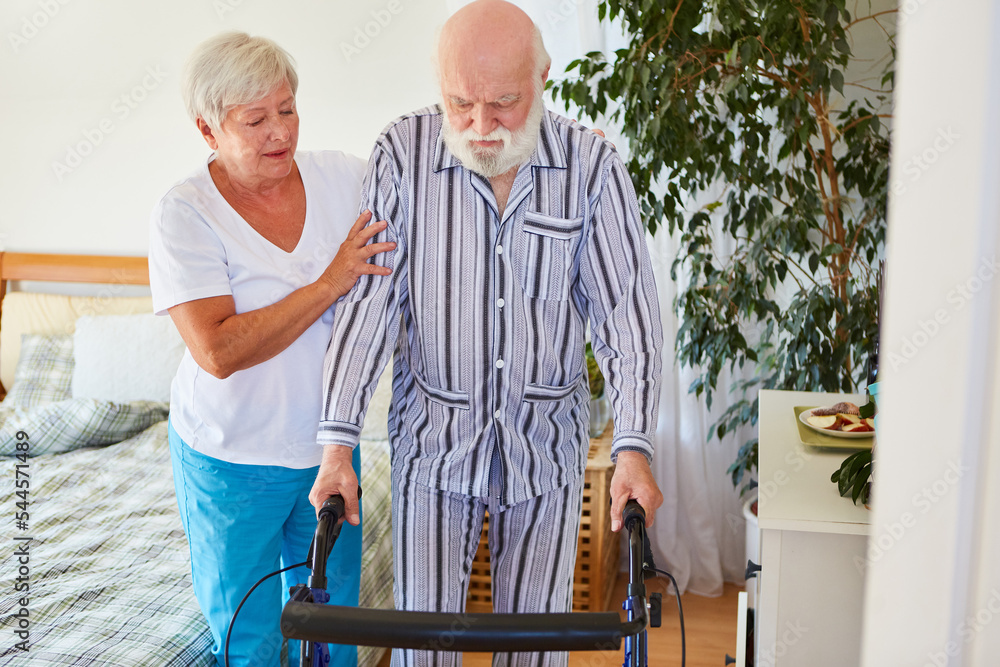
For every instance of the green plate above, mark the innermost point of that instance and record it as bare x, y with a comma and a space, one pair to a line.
812, 438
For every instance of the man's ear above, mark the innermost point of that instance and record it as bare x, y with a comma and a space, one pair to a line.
207, 134
545, 74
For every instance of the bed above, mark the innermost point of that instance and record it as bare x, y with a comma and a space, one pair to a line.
96, 568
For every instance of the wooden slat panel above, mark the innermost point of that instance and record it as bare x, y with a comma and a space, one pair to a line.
597, 547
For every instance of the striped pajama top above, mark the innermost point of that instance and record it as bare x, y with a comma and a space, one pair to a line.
487, 315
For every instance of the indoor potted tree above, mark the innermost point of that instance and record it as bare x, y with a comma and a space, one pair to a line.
600, 408
750, 98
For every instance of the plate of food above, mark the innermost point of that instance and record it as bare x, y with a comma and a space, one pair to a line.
841, 420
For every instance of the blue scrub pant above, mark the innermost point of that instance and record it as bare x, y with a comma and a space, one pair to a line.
243, 522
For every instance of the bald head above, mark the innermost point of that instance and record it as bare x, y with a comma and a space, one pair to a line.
491, 35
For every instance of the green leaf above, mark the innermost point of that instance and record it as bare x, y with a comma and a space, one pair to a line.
731, 55
831, 249
831, 15
843, 482
837, 80
858, 461
860, 484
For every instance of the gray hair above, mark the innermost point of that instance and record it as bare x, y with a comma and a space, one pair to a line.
231, 69
542, 58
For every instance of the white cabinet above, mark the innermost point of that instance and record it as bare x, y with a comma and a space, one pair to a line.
812, 545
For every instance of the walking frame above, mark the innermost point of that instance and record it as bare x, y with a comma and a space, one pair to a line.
305, 617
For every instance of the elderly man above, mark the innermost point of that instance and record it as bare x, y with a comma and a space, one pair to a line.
513, 226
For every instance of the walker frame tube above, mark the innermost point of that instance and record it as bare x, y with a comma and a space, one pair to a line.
443, 631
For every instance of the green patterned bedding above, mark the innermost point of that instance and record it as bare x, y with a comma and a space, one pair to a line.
109, 572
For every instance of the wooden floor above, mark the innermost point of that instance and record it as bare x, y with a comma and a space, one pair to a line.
709, 623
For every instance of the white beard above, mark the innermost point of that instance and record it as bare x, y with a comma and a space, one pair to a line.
516, 148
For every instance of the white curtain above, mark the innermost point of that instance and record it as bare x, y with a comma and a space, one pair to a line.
698, 535
699, 532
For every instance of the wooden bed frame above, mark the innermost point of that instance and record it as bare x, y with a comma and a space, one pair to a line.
72, 269
108, 269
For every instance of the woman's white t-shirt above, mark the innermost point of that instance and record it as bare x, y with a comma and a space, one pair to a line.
200, 247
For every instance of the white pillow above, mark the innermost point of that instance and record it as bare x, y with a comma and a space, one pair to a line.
125, 358
32, 313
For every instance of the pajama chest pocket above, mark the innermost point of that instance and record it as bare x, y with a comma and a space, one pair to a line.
547, 264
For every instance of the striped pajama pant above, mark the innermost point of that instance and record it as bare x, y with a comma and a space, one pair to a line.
532, 558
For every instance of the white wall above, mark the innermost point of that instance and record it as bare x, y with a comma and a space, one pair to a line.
100, 80
933, 591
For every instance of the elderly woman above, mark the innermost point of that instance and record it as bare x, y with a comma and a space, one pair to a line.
248, 255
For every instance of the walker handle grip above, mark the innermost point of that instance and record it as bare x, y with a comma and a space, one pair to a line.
334, 507
633, 512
